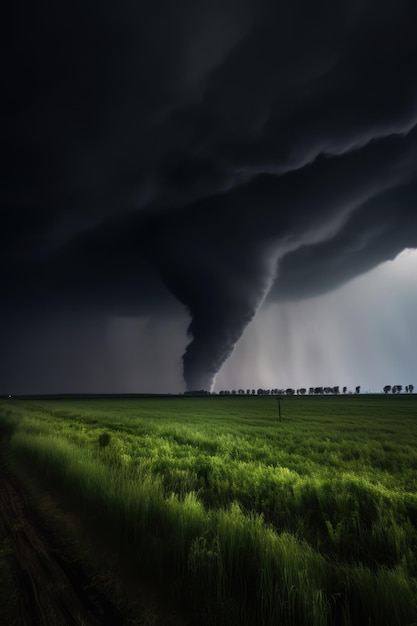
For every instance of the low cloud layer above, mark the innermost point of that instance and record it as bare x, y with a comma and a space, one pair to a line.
203, 157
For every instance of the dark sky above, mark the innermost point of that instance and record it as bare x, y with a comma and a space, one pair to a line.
193, 157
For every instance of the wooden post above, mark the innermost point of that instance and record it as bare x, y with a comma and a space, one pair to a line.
279, 408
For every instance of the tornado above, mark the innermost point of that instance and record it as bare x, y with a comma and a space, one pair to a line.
222, 285
218, 322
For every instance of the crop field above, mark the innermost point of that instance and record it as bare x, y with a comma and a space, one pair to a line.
247, 520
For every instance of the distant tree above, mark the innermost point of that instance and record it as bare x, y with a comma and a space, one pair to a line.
336, 389
247, 392
410, 388
399, 388
303, 391
241, 392
311, 391
358, 389
253, 392
394, 389
260, 392
387, 388
344, 389
318, 391
289, 392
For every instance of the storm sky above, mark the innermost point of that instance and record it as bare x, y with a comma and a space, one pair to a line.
180, 178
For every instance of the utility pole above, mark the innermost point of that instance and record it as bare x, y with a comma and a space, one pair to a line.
279, 398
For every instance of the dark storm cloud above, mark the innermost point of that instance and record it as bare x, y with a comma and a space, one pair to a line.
384, 225
215, 152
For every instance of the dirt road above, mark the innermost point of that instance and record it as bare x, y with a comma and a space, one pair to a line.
53, 589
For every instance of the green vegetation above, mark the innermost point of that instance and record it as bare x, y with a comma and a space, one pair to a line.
311, 521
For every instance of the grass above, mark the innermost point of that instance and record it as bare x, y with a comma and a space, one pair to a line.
310, 521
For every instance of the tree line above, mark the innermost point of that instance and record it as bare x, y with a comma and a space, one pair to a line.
398, 389
302, 391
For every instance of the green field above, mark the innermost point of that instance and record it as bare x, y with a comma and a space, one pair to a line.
245, 519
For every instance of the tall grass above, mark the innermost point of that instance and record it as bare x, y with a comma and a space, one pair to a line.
248, 521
